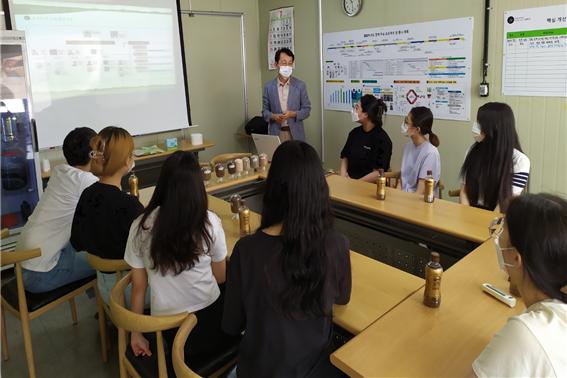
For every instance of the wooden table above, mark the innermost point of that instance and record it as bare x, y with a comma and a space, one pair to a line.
146, 193
182, 146
465, 222
415, 340
376, 287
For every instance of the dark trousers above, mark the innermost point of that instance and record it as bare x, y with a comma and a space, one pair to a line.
207, 338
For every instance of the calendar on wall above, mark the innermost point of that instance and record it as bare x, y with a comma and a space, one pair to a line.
280, 33
535, 52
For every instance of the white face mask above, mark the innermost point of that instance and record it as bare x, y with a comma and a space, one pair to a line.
404, 128
354, 115
286, 71
501, 263
477, 135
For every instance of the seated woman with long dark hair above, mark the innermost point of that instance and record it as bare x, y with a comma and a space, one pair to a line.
178, 248
284, 279
531, 243
495, 168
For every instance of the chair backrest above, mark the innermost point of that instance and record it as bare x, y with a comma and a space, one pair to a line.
108, 265
392, 178
129, 321
441, 187
178, 352
16, 257
223, 158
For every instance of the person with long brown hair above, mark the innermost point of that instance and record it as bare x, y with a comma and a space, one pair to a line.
105, 213
284, 279
495, 168
177, 249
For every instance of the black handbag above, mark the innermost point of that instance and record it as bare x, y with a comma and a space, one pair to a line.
256, 125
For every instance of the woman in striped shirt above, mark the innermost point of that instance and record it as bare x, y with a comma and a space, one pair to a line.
495, 168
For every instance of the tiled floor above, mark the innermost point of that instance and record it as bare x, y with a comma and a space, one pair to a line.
61, 349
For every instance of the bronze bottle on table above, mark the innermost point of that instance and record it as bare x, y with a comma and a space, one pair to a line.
244, 215
133, 183
429, 194
433, 272
381, 185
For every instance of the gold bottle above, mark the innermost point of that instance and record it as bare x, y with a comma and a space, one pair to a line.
133, 182
433, 272
381, 185
429, 194
244, 215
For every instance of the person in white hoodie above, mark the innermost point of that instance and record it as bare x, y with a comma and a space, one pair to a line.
49, 226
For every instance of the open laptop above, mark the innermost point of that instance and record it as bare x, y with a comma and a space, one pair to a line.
266, 144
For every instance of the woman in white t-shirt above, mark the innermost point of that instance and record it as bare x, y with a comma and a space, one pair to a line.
178, 248
532, 247
495, 168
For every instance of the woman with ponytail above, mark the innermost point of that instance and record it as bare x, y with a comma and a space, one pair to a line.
531, 243
105, 213
420, 153
284, 279
368, 147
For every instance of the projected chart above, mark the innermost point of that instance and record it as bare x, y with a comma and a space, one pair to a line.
79, 54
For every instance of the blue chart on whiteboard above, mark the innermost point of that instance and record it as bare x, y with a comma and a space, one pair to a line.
423, 64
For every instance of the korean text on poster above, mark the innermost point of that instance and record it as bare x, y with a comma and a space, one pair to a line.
423, 64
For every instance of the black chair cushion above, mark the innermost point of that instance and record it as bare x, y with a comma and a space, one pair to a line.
147, 367
207, 366
38, 300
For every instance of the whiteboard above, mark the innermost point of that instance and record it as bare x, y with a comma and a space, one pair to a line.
535, 52
422, 64
97, 63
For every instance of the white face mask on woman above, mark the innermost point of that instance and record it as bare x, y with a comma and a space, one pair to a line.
404, 128
476, 132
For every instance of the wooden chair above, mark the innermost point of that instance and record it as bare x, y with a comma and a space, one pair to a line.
214, 367
106, 265
223, 158
128, 321
392, 178
27, 306
441, 187
156, 365
455, 192
178, 352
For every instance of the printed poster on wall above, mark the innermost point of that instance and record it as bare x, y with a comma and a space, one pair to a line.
422, 64
280, 33
535, 52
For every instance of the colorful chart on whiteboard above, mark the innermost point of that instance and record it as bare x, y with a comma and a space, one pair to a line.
423, 64
535, 52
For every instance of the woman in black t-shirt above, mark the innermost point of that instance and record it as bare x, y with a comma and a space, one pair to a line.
284, 279
368, 147
104, 212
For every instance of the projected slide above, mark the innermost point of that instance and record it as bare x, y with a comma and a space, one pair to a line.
119, 58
